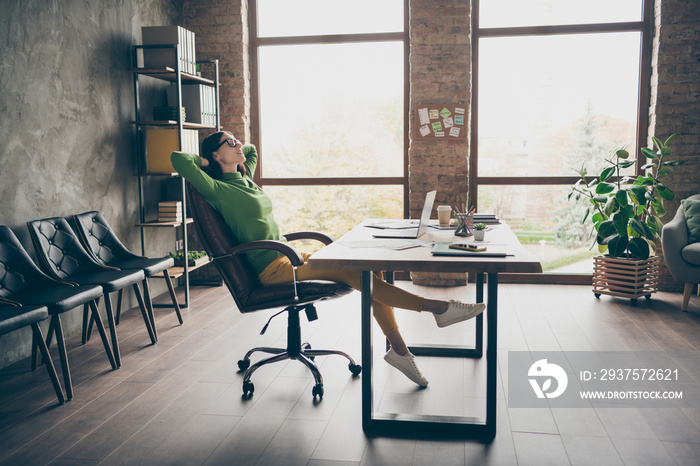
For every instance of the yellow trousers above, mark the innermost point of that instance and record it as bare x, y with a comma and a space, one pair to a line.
385, 295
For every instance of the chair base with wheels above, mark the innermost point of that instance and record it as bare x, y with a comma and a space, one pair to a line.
297, 350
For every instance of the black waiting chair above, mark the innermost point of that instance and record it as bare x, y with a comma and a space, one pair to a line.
250, 295
64, 259
14, 317
102, 242
24, 283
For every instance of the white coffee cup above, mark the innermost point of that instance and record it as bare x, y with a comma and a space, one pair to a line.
444, 214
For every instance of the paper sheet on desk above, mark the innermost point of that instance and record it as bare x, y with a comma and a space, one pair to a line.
395, 244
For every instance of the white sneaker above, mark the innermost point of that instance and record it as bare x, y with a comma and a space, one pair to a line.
407, 365
457, 312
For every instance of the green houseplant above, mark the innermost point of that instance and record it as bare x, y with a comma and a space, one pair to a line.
625, 211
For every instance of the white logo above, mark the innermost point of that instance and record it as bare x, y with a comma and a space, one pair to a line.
543, 369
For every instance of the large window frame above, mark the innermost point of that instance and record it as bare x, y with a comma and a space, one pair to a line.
256, 42
644, 27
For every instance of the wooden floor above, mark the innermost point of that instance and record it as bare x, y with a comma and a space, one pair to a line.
179, 401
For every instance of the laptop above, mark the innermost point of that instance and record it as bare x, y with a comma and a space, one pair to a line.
412, 233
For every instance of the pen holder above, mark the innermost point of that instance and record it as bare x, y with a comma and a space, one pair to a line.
465, 224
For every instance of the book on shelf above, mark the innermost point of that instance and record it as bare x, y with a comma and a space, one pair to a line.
170, 211
161, 142
168, 113
198, 100
162, 58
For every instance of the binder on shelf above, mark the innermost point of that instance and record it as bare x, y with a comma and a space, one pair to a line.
161, 142
198, 101
162, 58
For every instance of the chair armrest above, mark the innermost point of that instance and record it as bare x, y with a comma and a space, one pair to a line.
315, 235
280, 246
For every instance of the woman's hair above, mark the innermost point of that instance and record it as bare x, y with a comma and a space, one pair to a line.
209, 145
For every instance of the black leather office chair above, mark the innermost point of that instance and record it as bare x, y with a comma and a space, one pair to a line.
23, 282
250, 295
63, 258
15, 317
102, 242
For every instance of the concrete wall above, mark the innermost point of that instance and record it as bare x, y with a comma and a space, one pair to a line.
66, 99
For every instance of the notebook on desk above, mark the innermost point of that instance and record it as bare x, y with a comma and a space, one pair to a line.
422, 223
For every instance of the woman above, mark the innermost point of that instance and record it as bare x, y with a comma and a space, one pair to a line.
223, 174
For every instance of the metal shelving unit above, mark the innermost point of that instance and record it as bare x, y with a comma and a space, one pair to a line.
177, 76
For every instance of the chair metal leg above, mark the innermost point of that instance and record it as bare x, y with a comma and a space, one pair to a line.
149, 305
318, 378
173, 297
263, 349
63, 354
118, 315
103, 334
278, 357
86, 322
48, 363
112, 328
144, 312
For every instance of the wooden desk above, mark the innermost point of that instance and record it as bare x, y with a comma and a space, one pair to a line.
366, 260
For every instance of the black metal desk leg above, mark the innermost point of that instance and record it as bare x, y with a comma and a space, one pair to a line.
367, 401
491, 354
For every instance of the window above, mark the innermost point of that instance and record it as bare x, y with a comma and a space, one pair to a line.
557, 84
329, 88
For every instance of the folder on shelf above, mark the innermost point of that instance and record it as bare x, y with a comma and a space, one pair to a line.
162, 58
198, 102
161, 142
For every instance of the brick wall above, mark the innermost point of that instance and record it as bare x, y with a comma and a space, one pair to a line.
221, 29
440, 69
675, 98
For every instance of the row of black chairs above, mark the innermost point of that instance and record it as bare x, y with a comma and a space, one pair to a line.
80, 264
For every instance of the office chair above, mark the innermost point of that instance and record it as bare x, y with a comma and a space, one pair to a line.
63, 258
681, 256
24, 283
250, 295
101, 241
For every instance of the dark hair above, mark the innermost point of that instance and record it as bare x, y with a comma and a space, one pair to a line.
209, 145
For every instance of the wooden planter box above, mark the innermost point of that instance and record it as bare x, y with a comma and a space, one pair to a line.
193, 263
626, 278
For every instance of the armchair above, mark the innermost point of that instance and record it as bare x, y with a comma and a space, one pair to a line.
250, 295
682, 258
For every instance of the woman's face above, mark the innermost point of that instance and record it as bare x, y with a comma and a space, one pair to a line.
230, 151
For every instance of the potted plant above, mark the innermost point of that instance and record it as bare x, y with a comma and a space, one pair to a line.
479, 231
194, 258
625, 212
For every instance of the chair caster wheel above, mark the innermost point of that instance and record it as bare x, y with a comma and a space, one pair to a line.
317, 391
248, 389
355, 369
243, 364
597, 295
633, 302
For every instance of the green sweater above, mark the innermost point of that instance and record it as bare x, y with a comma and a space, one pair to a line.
246, 209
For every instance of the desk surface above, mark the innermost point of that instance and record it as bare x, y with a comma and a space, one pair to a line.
338, 256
